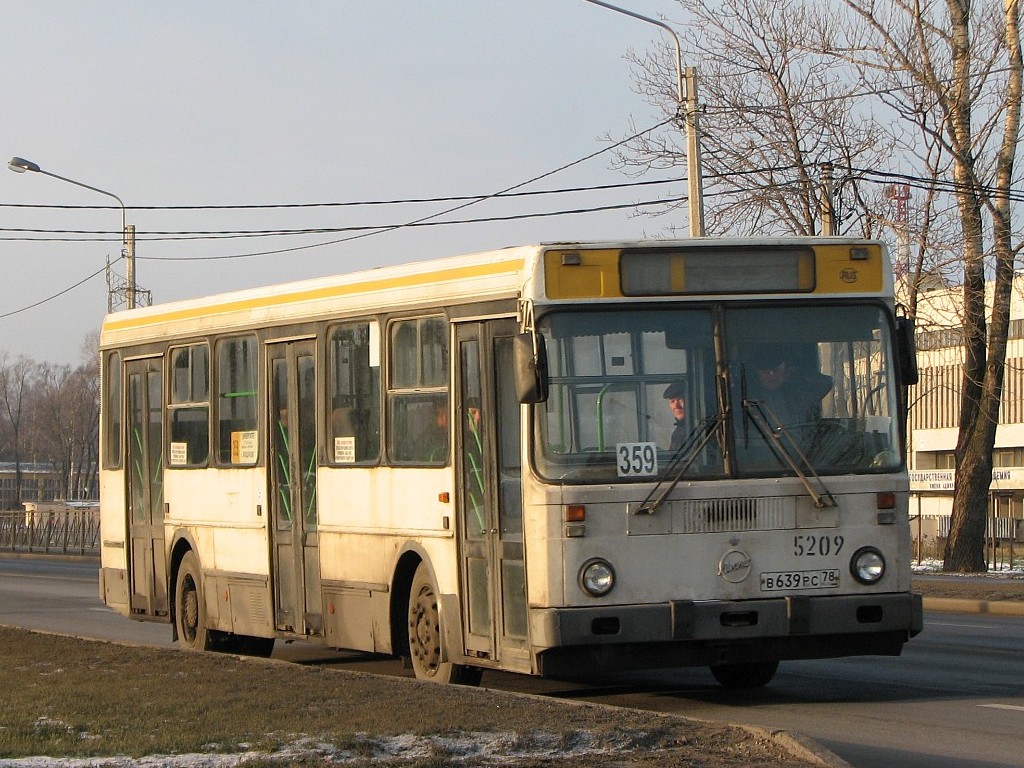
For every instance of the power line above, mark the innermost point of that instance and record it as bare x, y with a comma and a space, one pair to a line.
465, 204
57, 295
350, 203
175, 235
156, 236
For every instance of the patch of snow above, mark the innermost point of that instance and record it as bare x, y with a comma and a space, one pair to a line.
495, 748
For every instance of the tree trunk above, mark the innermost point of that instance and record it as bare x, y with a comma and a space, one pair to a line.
984, 367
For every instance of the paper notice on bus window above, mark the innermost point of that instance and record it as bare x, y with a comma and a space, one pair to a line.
179, 454
243, 447
344, 450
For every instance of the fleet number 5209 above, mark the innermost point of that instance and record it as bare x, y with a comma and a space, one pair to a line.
809, 545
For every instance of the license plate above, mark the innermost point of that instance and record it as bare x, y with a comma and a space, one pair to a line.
826, 578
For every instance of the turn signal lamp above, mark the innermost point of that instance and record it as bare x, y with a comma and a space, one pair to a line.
575, 513
886, 500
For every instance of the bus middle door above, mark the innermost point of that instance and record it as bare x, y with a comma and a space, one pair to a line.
293, 502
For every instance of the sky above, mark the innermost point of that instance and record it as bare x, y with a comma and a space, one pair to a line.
234, 103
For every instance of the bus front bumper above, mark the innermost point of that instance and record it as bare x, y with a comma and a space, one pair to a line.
708, 632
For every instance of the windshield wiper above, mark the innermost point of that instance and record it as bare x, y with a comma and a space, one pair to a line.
773, 432
682, 459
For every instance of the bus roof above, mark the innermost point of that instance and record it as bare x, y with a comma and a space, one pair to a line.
508, 273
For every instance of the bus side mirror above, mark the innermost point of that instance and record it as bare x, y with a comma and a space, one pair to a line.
906, 351
531, 367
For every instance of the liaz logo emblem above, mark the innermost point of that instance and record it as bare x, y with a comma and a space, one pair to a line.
848, 275
734, 566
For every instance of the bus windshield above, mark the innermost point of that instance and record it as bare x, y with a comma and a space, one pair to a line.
715, 391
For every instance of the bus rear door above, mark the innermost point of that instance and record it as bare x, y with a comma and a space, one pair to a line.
145, 479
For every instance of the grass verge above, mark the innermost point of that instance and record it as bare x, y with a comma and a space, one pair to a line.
69, 698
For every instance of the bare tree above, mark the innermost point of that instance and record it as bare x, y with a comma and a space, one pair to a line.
16, 378
774, 112
954, 68
66, 415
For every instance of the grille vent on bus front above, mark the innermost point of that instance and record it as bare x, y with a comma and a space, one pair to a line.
716, 515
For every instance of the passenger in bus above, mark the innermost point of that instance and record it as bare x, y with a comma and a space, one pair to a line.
433, 443
675, 396
791, 398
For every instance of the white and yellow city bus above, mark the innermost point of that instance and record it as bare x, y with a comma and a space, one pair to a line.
557, 460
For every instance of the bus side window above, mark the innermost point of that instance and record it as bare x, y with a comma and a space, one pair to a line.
237, 386
418, 393
112, 412
353, 394
189, 406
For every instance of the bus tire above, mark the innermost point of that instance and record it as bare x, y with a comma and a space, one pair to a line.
190, 608
426, 636
754, 674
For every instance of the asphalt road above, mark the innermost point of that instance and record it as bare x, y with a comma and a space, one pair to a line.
954, 698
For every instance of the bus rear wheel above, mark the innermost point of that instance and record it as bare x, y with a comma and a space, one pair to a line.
190, 610
426, 636
754, 674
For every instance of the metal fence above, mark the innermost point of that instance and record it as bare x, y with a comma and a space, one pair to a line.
52, 528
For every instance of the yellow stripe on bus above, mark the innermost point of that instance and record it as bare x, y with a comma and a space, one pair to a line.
119, 323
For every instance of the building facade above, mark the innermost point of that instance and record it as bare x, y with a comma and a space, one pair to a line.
934, 409
39, 482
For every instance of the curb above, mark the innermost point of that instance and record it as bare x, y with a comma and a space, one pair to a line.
958, 605
805, 748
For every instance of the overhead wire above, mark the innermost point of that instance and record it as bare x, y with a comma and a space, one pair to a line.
464, 203
344, 203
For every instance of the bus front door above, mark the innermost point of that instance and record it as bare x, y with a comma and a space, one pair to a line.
293, 502
492, 553
145, 478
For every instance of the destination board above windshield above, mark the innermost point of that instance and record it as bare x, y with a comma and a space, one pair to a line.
713, 270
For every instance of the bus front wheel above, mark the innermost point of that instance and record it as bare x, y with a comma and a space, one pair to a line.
426, 636
190, 610
755, 674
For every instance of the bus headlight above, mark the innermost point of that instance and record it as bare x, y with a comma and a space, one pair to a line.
867, 565
597, 577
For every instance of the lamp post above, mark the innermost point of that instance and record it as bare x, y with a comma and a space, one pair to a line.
687, 97
20, 165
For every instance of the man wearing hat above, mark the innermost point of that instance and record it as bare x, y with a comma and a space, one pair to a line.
675, 394
793, 399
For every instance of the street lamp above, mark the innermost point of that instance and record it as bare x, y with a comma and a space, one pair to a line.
20, 165
687, 97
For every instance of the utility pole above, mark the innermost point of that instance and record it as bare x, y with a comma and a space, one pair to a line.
694, 171
129, 269
827, 211
686, 96
130, 289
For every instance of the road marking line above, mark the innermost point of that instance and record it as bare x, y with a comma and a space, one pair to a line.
1014, 707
